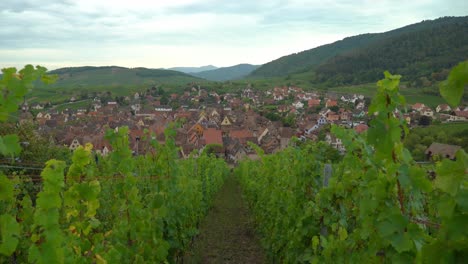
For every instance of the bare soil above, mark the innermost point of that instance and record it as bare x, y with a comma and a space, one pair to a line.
227, 234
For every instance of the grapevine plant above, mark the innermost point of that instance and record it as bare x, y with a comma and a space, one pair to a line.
378, 206
114, 209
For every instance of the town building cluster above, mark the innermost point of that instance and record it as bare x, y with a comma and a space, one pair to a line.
226, 122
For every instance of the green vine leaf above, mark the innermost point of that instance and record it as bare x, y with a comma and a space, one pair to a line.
6, 188
10, 233
450, 174
452, 89
9, 145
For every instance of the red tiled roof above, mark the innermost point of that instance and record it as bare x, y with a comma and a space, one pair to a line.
213, 136
417, 106
444, 107
331, 103
136, 133
314, 102
361, 128
461, 113
244, 133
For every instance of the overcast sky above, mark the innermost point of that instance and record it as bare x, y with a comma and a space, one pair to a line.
159, 33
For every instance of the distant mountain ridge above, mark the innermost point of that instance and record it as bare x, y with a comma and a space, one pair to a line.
227, 73
193, 69
441, 43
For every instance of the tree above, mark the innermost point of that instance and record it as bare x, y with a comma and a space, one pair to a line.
161, 91
272, 116
164, 100
412, 140
425, 120
289, 121
427, 140
419, 152
442, 137
334, 108
174, 104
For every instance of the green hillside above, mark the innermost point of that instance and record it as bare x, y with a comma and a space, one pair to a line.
402, 40
227, 73
118, 81
117, 76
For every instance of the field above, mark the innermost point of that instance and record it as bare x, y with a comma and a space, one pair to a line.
73, 105
449, 128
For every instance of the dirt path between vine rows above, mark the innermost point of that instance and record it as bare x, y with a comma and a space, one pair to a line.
227, 233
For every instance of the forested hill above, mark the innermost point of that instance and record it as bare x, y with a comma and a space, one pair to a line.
302, 61
436, 43
76, 77
426, 54
227, 73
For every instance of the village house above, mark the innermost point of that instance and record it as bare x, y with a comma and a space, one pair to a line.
322, 120
135, 107
163, 108
37, 107
360, 128
226, 121
426, 111
345, 115
242, 135
335, 142
285, 135
313, 103
283, 108
234, 151
331, 103
278, 96
442, 150
352, 99
332, 117
174, 96
311, 128
212, 136
74, 144
418, 107
360, 105
443, 108
298, 105
461, 115
359, 114
293, 89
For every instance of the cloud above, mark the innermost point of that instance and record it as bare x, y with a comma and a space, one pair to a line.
192, 32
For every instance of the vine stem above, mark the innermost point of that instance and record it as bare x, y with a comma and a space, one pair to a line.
401, 197
425, 222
